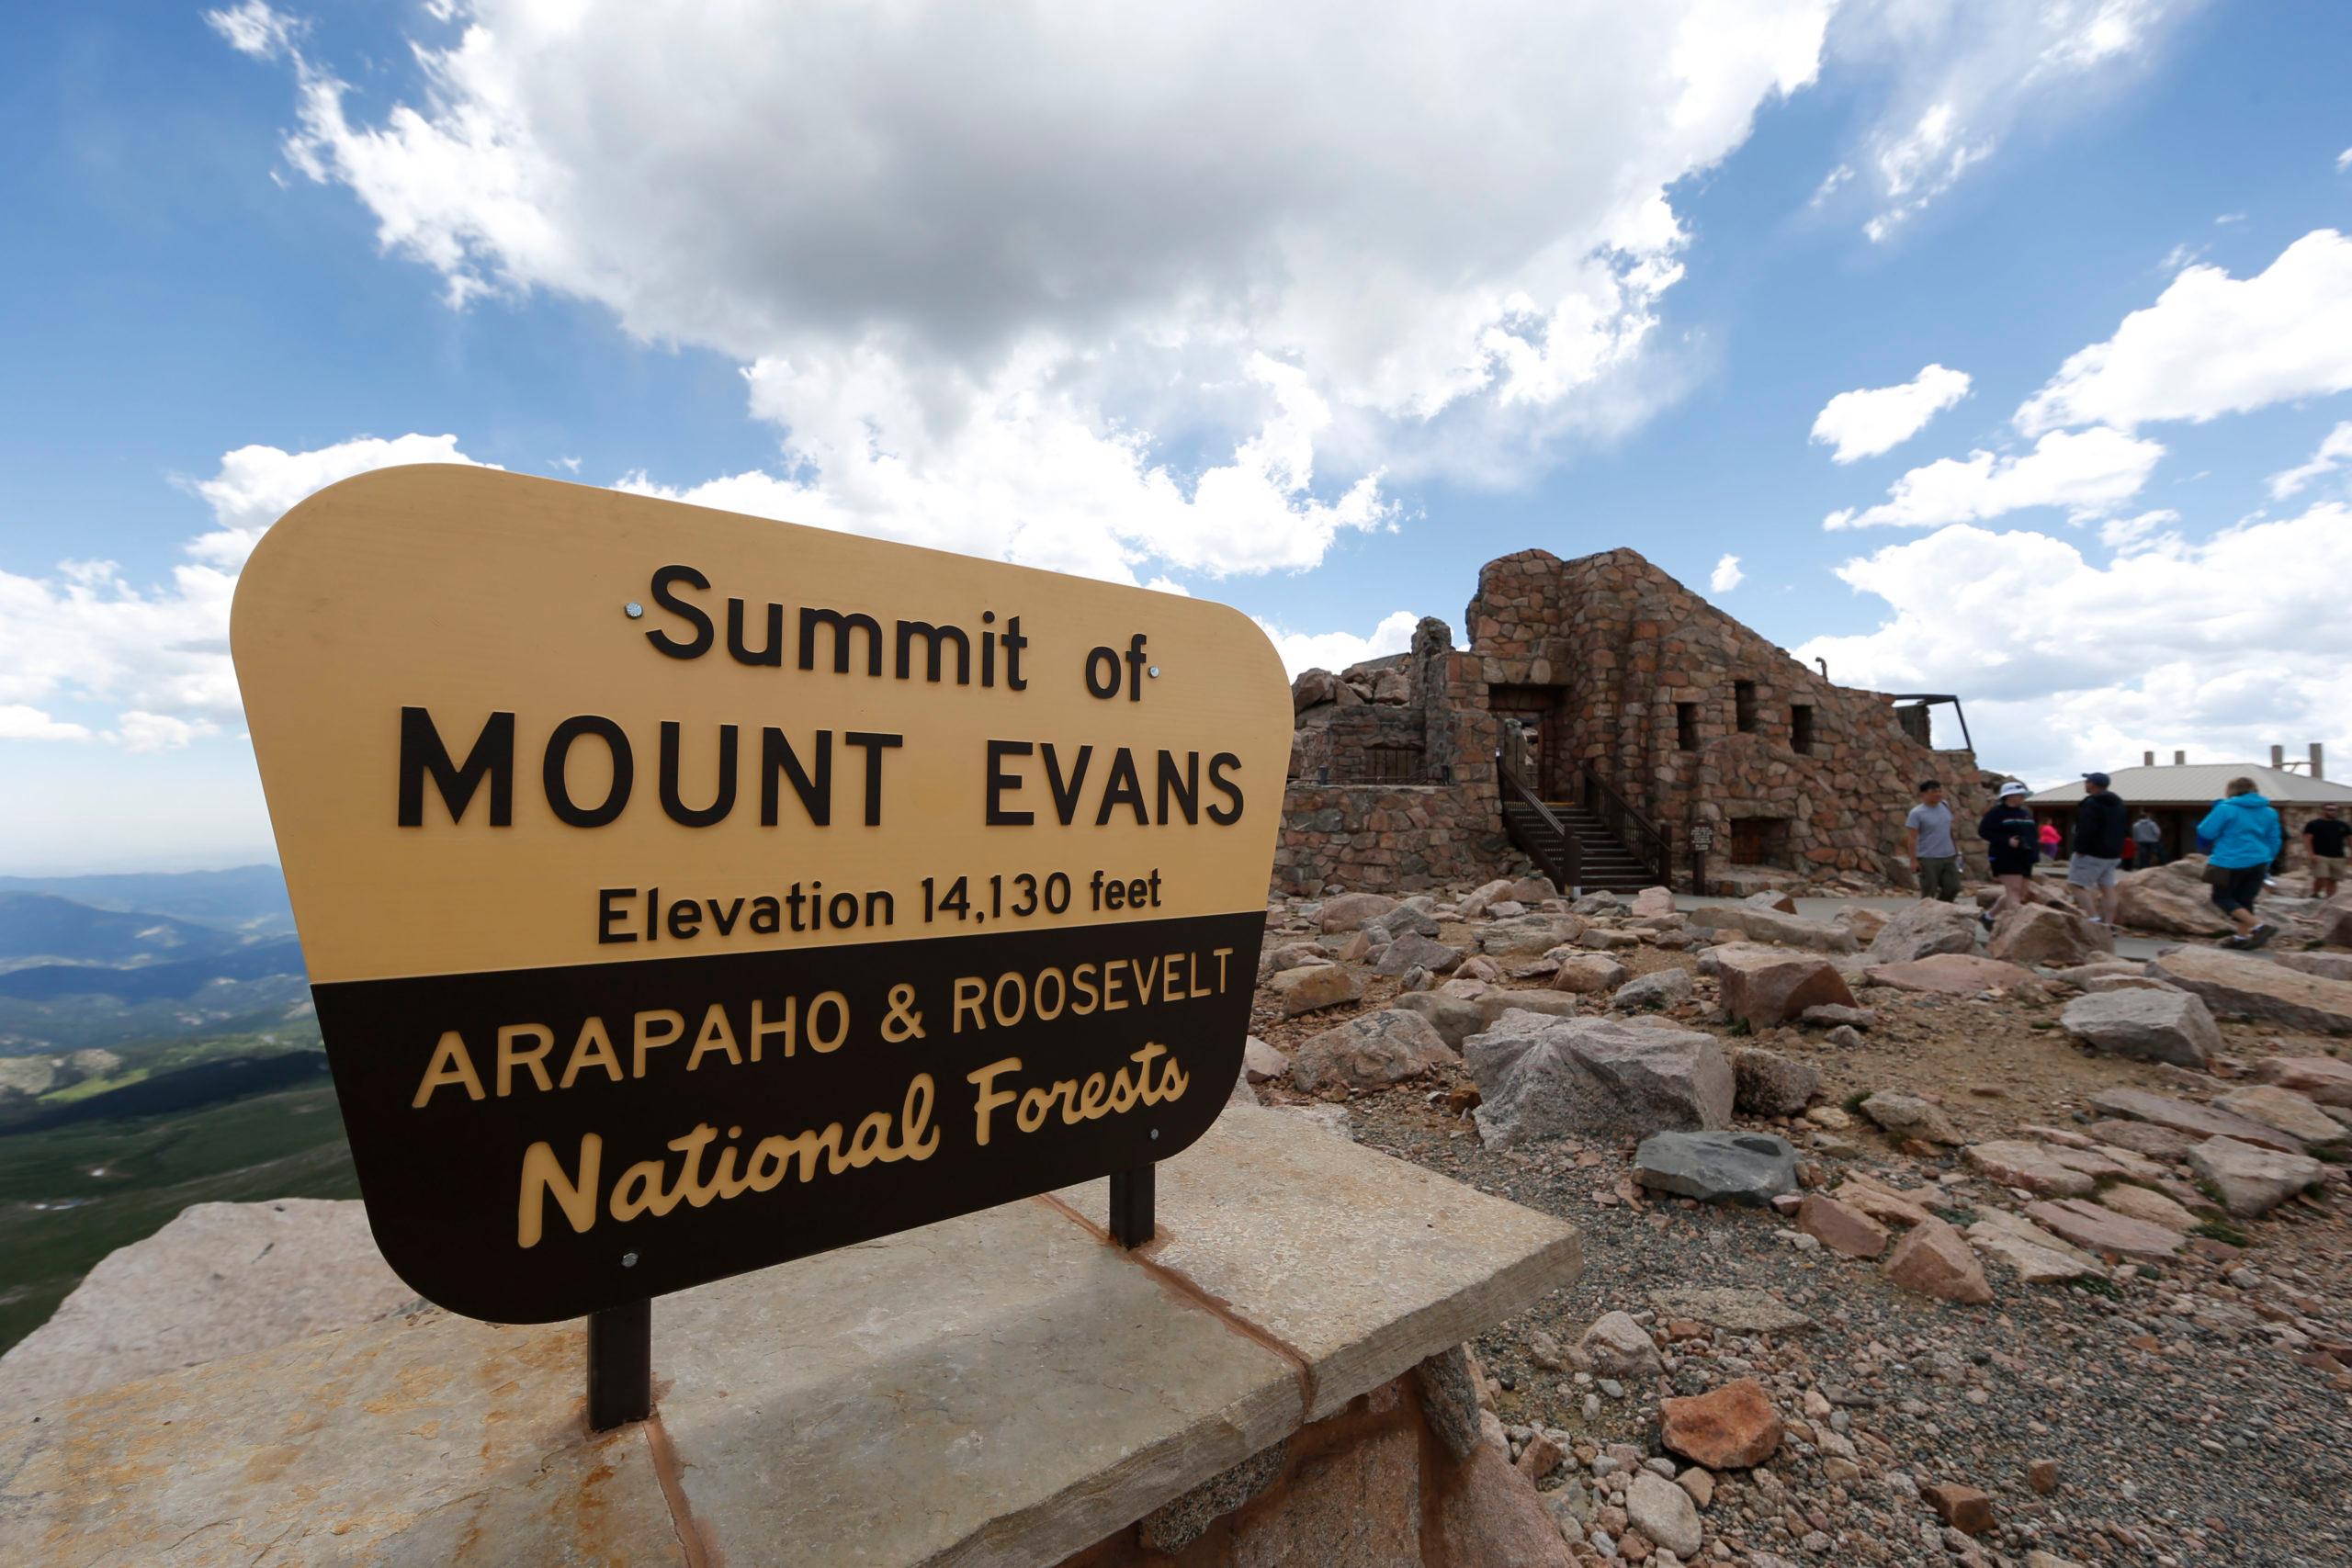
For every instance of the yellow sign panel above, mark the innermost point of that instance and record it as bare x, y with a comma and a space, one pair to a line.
683, 891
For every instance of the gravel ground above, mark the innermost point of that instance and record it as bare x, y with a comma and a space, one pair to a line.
2188, 1413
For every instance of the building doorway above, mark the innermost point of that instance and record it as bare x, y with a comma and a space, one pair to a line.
1759, 840
1544, 711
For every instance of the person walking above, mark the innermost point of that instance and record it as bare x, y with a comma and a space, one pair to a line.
2325, 836
2148, 838
2013, 843
2247, 835
1934, 855
2099, 831
2050, 840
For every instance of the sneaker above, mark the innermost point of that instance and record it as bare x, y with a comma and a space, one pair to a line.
2260, 934
2237, 943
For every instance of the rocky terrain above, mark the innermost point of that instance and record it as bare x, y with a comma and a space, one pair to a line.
1906, 1242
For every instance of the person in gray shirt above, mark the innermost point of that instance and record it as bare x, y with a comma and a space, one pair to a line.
1934, 855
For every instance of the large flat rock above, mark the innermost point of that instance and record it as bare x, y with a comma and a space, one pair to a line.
219, 1279
1950, 974
2238, 985
1403, 1262
2187, 1116
1005, 1387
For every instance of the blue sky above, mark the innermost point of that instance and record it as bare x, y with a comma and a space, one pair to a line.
1312, 320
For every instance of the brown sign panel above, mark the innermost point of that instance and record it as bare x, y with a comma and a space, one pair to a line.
684, 891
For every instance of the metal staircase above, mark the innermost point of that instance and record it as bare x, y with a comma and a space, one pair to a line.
1597, 845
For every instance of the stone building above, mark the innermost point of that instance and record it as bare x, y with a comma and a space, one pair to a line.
1636, 711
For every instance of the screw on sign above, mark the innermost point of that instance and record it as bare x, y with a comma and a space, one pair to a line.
836, 888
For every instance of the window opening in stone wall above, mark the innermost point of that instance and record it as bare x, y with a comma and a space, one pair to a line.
1686, 726
1801, 726
1743, 705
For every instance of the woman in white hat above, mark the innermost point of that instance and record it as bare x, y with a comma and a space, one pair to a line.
2012, 836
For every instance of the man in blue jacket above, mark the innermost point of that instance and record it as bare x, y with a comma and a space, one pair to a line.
2246, 834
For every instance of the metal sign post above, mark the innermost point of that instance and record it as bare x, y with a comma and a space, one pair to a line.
1702, 839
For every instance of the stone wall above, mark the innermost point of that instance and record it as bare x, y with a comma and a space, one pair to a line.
1650, 681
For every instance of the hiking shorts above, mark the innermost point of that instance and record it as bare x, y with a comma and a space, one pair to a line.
2241, 890
1940, 877
2093, 871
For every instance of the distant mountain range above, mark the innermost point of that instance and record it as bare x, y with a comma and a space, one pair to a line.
247, 901
118, 961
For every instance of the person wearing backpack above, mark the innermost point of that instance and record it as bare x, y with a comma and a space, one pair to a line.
2013, 841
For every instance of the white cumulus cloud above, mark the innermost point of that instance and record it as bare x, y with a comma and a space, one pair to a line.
157, 654
1726, 576
1337, 650
2088, 472
1120, 290
2213, 344
2063, 665
1867, 421
1963, 75
2335, 452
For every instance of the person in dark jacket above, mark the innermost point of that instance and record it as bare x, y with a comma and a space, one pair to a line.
2013, 841
2247, 835
2101, 824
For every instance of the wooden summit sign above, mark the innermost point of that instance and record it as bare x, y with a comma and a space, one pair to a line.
684, 892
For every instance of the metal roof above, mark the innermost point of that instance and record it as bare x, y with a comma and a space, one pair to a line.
2201, 784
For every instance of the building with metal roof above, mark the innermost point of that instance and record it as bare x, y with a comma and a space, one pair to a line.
2179, 795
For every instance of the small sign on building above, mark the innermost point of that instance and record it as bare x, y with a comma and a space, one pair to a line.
684, 893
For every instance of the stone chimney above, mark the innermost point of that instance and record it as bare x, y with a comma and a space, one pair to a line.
2319, 763
2147, 759
2277, 757
2180, 759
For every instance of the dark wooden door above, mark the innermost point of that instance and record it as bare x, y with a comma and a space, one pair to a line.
1748, 840
1558, 747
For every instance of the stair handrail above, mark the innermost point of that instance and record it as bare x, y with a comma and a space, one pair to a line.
1567, 868
1651, 844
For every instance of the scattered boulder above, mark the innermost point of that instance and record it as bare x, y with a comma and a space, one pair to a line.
1951, 974
1313, 689
2282, 1108
2320, 1078
1730, 1427
1454, 1019
1766, 986
2105, 1232
2153, 1026
2034, 1168
1771, 926
1833, 1015
1771, 899
1909, 1116
1532, 890
1480, 901
1654, 901
1314, 987
1349, 911
1765, 1083
1528, 935
2249, 1180
1840, 1228
1414, 951
1541, 1076
1661, 988
1260, 1062
1923, 929
1750, 1168
2326, 965
1617, 1347
1846, 1036
1409, 919
2141, 1138
2335, 921
1376, 1049
2238, 985
2038, 933
1665, 1515
1585, 974
1964, 1508
2037, 1256
1732, 1309
2148, 1206
1933, 1260
2172, 898
2198, 1120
